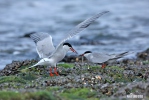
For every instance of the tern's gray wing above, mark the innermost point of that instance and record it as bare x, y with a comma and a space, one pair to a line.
98, 57
101, 57
117, 56
80, 27
44, 44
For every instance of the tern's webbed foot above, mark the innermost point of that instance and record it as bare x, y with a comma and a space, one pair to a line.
103, 65
51, 72
55, 71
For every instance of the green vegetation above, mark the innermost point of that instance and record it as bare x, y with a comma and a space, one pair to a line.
48, 94
66, 65
146, 62
40, 95
74, 83
9, 79
118, 68
79, 93
10, 95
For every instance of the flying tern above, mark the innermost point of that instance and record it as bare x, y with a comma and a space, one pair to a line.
101, 58
51, 55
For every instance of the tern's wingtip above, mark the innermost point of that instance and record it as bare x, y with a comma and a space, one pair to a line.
31, 67
106, 11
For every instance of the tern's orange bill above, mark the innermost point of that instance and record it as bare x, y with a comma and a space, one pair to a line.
73, 50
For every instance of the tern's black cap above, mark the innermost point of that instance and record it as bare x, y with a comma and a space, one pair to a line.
67, 44
87, 52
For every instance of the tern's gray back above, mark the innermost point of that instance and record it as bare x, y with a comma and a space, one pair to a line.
102, 57
44, 44
99, 57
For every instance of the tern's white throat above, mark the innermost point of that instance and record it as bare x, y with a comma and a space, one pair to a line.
87, 53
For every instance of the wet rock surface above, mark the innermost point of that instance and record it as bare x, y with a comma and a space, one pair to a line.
124, 28
115, 81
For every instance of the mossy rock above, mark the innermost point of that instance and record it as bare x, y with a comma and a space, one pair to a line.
29, 76
4, 79
54, 88
40, 95
66, 65
115, 68
71, 94
36, 84
10, 95
146, 62
79, 94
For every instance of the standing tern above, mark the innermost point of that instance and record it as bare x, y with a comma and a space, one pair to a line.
101, 58
51, 55
57, 56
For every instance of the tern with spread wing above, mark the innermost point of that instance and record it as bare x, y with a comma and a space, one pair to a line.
101, 58
51, 55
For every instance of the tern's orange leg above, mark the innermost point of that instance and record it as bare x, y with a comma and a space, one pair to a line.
51, 72
103, 65
55, 71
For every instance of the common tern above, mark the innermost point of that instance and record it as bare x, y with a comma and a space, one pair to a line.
57, 56
51, 55
101, 58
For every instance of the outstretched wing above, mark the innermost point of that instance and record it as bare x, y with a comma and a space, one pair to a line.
80, 27
44, 44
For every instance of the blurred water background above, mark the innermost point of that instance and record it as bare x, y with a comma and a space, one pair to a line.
125, 28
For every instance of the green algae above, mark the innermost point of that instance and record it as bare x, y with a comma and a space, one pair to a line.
66, 65
29, 76
5, 79
146, 62
118, 68
94, 67
29, 79
48, 94
54, 88
79, 94
40, 95
10, 95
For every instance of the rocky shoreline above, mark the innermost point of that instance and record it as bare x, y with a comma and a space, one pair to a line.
76, 80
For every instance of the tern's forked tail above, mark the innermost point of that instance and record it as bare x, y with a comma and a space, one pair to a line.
41, 62
33, 66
